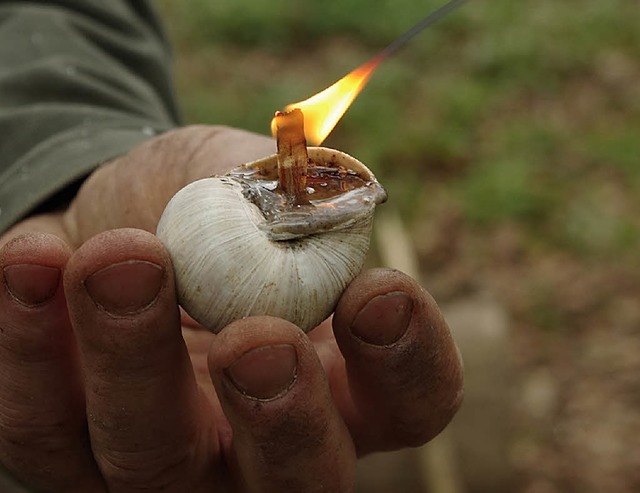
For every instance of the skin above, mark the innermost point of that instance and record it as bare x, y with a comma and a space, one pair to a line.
106, 386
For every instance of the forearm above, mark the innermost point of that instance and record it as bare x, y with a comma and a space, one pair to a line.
80, 83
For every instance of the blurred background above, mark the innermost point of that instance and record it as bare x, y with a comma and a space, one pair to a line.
508, 137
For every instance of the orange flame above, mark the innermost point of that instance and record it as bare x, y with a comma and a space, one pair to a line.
323, 110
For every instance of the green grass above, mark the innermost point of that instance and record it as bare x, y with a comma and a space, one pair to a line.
525, 112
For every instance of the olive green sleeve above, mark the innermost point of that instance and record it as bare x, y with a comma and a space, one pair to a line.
81, 82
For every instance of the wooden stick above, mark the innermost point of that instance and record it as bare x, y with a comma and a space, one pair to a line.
292, 155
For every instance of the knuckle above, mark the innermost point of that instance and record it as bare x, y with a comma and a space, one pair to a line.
28, 444
21, 428
303, 440
160, 469
413, 429
292, 433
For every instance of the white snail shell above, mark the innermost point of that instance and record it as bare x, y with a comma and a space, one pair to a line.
231, 261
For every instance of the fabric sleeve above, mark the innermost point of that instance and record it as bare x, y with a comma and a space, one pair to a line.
81, 82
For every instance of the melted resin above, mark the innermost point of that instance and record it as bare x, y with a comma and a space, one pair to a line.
336, 197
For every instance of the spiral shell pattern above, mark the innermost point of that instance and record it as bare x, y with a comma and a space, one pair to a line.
228, 268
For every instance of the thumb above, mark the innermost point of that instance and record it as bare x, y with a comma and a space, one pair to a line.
132, 190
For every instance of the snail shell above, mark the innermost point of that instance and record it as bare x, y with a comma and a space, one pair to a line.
238, 249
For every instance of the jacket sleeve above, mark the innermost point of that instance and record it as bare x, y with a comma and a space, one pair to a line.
81, 82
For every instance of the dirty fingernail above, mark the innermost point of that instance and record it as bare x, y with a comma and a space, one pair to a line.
125, 288
264, 373
384, 319
31, 284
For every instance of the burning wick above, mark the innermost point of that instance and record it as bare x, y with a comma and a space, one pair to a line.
313, 120
292, 155
323, 110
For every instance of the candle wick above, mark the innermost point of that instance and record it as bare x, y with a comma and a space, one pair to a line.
292, 156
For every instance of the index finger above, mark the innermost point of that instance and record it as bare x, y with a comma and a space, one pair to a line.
402, 379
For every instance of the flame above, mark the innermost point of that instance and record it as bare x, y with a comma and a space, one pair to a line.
323, 110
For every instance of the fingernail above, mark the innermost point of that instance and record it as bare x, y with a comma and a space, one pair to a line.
383, 320
265, 373
125, 288
30, 284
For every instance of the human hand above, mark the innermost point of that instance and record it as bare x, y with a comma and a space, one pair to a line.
100, 390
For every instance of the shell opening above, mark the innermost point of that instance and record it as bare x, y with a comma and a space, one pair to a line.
338, 195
